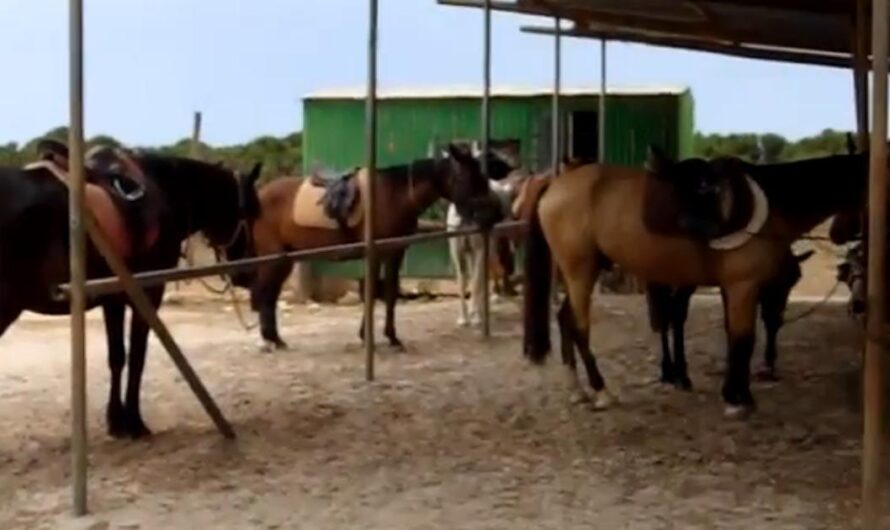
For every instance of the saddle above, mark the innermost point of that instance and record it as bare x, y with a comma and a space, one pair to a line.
331, 200
747, 210
116, 193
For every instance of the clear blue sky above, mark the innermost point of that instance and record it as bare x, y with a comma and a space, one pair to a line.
247, 63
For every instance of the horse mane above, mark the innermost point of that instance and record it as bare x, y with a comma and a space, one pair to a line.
826, 182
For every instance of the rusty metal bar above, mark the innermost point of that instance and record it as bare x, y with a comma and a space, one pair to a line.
873, 384
371, 269
486, 138
114, 285
77, 257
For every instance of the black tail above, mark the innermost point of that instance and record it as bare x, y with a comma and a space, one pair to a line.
537, 285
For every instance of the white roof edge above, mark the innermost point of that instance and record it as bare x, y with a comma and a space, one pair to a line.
496, 91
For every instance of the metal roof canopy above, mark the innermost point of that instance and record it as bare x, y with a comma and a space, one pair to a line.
472, 92
817, 32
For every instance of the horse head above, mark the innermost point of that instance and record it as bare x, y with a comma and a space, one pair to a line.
692, 197
240, 243
469, 190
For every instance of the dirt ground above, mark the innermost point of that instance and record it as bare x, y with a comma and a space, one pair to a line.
455, 433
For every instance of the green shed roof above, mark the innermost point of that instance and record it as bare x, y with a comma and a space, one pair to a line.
469, 92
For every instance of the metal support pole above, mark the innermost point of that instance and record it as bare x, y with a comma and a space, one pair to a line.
556, 125
860, 73
601, 137
77, 257
873, 384
486, 137
556, 134
371, 268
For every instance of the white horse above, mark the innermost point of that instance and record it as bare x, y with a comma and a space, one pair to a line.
467, 251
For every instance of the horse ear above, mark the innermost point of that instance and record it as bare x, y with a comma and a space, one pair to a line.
851, 144
54, 150
254, 173
657, 162
800, 258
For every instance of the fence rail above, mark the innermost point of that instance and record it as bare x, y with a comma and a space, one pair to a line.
104, 286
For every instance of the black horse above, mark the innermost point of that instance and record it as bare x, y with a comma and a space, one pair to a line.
669, 308
147, 204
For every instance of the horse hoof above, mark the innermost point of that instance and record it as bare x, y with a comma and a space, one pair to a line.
398, 347
737, 412
138, 430
603, 400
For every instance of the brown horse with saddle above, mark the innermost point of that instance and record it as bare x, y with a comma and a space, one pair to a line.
721, 223
314, 212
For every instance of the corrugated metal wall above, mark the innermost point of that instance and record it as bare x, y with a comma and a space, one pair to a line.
333, 137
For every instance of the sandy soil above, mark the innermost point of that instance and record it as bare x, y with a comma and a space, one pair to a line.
455, 433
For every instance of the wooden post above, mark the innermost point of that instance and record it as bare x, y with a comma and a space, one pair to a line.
556, 134
873, 384
370, 206
860, 73
195, 146
77, 260
486, 137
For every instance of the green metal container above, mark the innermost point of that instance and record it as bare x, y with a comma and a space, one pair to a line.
412, 123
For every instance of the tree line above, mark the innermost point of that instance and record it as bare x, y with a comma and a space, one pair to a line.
283, 155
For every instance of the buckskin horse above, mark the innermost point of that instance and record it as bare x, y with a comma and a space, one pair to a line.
147, 205
305, 213
661, 224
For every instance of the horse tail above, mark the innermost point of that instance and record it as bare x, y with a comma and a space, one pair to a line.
537, 285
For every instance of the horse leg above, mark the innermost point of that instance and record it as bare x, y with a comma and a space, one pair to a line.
138, 345
579, 278
477, 287
391, 295
567, 348
659, 303
741, 313
115, 417
772, 310
264, 298
377, 285
454, 246
679, 314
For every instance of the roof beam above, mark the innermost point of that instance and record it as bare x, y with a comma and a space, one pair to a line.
735, 50
710, 30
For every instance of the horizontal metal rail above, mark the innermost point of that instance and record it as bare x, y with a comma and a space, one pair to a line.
112, 284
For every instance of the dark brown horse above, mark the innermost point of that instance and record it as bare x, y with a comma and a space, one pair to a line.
669, 308
289, 221
597, 215
147, 204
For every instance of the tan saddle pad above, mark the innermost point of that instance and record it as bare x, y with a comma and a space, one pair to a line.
308, 211
99, 202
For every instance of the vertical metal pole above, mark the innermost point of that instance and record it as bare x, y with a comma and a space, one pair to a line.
873, 385
860, 73
556, 124
556, 134
370, 216
486, 137
195, 146
601, 147
77, 262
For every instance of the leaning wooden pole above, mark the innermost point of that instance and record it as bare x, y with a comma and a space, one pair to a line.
556, 125
77, 257
371, 268
486, 138
873, 385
